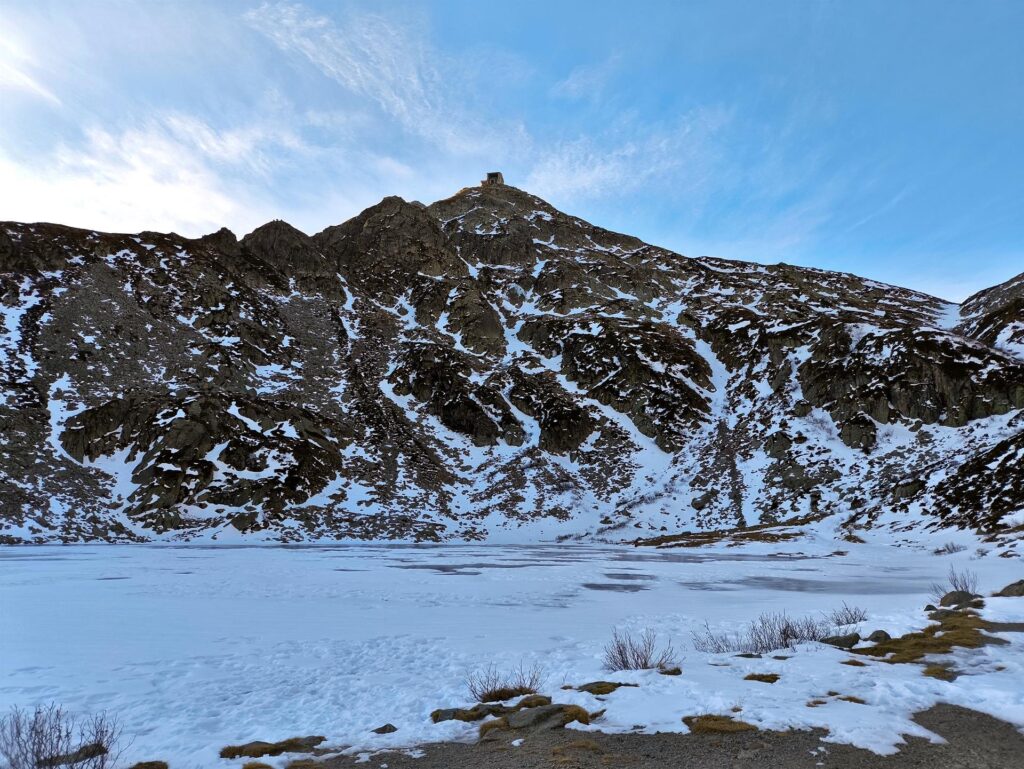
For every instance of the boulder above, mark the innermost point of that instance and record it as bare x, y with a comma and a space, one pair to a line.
878, 636
957, 598
700, 502
535, 719
1013, 590
483, 710
258, 749
475, 713
547, 717
859, 432
777, 445
847, 641
386, 729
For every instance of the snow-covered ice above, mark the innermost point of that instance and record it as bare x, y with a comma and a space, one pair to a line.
196, 647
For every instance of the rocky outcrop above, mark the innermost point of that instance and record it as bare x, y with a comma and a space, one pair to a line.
910, 374
984, 489
995, 316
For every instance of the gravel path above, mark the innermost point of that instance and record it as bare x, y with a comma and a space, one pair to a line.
974, 741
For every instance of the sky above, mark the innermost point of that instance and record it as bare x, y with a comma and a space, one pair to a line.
880, 138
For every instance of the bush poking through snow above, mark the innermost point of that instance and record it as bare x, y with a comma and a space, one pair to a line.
491, 685
847, 615
949, 548
964, 581
625, 652
49, 736
769, 632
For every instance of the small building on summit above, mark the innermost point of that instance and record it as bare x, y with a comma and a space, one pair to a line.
494, 178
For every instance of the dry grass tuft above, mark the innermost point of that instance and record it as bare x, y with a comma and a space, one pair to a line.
600, 688
958, 630
717, 725
765, 678
572, 713
942, 672
489, 726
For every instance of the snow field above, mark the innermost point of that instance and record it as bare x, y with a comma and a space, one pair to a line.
197, 647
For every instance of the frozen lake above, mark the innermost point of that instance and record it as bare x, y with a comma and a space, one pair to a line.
195, 647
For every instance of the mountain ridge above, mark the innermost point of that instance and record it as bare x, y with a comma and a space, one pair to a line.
486, 367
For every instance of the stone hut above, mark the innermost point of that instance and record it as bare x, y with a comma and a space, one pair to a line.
493, 179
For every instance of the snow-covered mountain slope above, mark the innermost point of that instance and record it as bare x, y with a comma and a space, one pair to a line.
996, 316
485, 367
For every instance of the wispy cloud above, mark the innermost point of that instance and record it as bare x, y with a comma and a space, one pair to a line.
15, 64
380, 60
631, 157
587, 81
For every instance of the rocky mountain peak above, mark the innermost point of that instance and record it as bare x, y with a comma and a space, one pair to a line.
485, 363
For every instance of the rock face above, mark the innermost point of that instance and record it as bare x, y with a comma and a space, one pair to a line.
483, 363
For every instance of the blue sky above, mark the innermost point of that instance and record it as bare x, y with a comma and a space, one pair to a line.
881, 138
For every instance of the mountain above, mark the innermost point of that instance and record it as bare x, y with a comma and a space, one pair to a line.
486, 367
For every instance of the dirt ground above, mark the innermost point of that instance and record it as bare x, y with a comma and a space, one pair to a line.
973, 741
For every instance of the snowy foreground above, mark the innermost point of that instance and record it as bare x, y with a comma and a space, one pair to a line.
198, 647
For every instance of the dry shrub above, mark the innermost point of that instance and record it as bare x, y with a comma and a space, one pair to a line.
50, 736
491, 685
769, 632
847, 615
949, 548
625, 652
966, 581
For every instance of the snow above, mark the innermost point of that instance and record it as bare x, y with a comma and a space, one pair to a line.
196, 647
1005, 340
250, 423
1013, 519
948, 316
